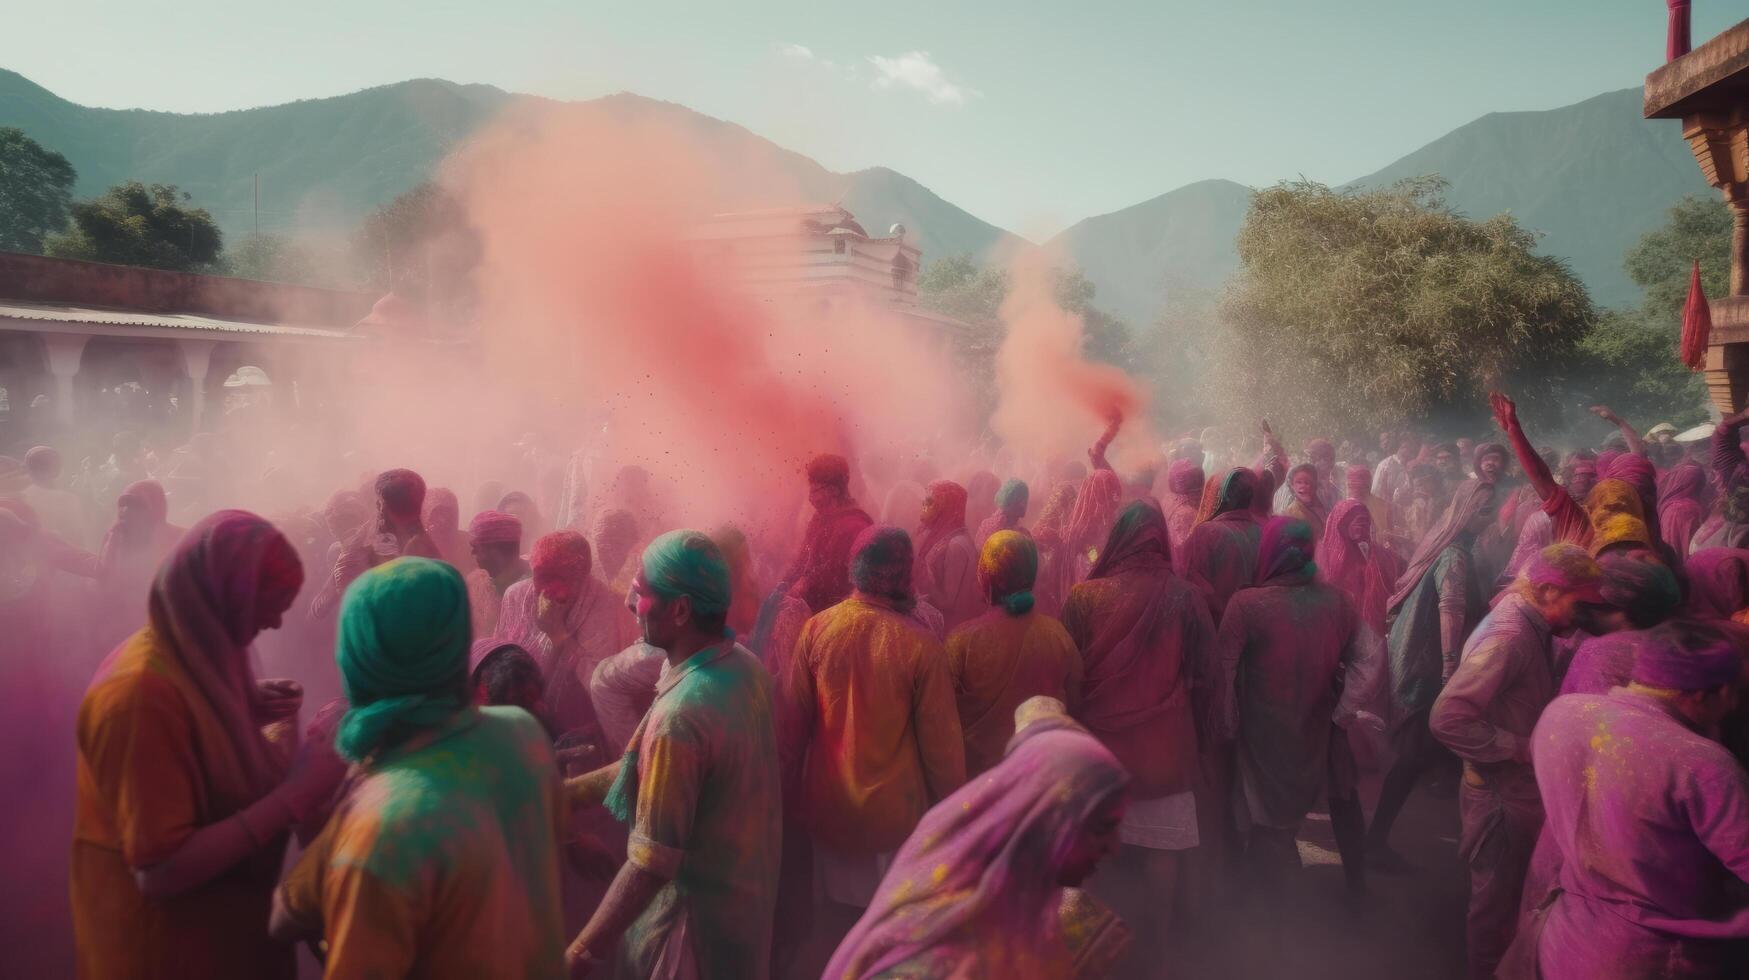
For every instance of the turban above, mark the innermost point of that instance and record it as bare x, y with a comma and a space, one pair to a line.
1012, 497
1007, 569
1645, 590
41, 458
1614, 529
829, 469
495, 527
1567, 567
1687, 656
688, 563
880, 564
562, 557
402, 651
1184, 478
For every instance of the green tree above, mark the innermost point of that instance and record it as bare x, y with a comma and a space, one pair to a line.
1104, 337
1356, 310
422, 246
1630, 360
271, 258
957, 286
133, 224
36, 188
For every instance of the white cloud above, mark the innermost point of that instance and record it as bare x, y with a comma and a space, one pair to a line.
916, 70
799, 52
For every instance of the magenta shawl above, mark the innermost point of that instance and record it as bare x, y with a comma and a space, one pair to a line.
1367, 578
980, 874
1718, 582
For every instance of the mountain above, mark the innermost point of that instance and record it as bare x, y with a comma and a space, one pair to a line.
1181, 241
324, 163
1591, 177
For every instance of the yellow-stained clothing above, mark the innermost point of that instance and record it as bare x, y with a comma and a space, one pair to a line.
142, 792
877, 734
1000, 660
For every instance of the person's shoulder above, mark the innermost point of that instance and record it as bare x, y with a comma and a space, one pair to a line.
511, 723
135, 679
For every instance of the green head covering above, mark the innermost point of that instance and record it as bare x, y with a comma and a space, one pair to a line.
402, 651
1012, 498
688, 563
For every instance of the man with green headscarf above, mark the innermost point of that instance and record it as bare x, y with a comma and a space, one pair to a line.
443, 858
698, 786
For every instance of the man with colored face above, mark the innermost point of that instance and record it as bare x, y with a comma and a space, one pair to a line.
698, 789
495, 540
568, 620
1485, 715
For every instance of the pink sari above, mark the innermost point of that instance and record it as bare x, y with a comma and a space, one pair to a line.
976, 886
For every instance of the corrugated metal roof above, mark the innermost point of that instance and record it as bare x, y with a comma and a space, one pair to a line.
171, 321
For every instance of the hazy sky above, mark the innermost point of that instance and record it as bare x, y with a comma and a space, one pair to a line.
1029, 114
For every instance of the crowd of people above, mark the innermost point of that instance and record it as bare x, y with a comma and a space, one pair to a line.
1014, 721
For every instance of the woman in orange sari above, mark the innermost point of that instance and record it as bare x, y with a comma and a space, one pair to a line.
184, 796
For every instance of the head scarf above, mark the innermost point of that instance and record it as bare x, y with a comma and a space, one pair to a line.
944, 515
153, 534
1367, 578
1007, 569
982, 868
495, 527
1687, 656
1235, 492
1095, 508
1055, 515
443, 512
1718, 582
1567, 567
403, 653
1284, 556
688, 563
880, 565
41, 458
203, 608
1645, 590
560, 557
1472, 497
1184, 479
1012, 498
614, 531
1138, 540
1263, 495
829, 469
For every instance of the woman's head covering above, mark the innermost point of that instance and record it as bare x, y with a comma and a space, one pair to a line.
982, 868
1718, 582
150, 497
560, 562
688, 563
1055, 515
1184, 479
1618, 529
1007, 569
403, 653
495, 527
1284, 555
880, 565
945, 507
1473, 497
1139, 535
1095, 507
1645, 590
1612, 496
1684, 481
1337, 555
829, 469
1011, 499
1636, 471
1235, 492
204, 607
443, 512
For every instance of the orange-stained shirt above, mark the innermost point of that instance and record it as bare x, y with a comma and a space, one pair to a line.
878, 735
141, 794
443, 860
998, 661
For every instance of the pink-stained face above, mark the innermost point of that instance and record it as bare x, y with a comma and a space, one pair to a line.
1098, 840
657, 624
822, 495
554, 587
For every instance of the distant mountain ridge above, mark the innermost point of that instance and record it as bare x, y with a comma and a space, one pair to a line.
327, 162
1590, 178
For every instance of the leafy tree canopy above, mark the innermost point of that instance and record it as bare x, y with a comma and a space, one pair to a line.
1354, 311
272, 258
36, 189
133, 224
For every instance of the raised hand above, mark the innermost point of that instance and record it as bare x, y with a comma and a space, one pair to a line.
1603, 412
1505, 412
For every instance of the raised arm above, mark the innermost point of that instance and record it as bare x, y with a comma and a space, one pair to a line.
1728, 460
1274, 457
1636, 445
1096, 454
1537, 471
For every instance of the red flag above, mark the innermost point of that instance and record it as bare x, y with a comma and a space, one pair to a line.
1697, 323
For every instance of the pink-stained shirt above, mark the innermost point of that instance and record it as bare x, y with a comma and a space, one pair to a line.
1651, 819
950, 580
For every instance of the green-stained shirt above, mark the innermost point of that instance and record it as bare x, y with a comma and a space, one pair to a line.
443, 860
